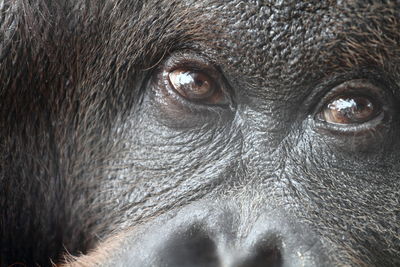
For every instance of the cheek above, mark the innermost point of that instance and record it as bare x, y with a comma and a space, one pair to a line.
154, 167
351, 160
369, 143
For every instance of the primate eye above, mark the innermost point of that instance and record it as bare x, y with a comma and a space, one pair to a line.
196, 86
354, 106
349, 110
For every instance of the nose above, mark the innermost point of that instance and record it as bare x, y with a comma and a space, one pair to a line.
212, 238
198, 247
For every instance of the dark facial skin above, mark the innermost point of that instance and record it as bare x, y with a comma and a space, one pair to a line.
200, 133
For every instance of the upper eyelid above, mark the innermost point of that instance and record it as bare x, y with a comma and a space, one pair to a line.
189, 60
354, 85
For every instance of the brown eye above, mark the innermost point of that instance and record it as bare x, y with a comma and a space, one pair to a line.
349, 110
196, 86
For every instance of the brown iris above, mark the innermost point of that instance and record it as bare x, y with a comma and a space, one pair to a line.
349, 110
195, 85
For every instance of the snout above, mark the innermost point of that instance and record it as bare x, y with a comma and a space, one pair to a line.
208, 236
199, 247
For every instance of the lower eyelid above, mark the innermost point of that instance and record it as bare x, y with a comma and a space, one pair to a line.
351, 129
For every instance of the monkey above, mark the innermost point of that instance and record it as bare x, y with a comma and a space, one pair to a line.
199, 133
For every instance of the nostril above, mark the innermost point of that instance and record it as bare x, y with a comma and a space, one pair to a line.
266, 257
266, 254
193, 247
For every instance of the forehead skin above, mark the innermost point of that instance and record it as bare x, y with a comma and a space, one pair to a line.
326, 36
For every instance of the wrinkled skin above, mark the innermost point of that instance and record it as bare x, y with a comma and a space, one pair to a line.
98, 156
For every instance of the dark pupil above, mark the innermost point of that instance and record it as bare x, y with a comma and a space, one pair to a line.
197, 79
349, 110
